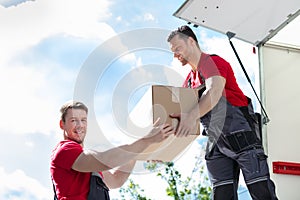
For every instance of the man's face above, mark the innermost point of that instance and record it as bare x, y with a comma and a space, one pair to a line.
75, 125
179, 47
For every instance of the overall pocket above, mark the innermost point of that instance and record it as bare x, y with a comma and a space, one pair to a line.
98, 189
241, 140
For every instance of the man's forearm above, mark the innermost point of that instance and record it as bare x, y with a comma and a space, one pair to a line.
91, 160
206, 104
210, 97
122, 154
119, 176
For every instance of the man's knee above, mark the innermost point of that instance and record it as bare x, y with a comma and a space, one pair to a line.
225, 192
262, 190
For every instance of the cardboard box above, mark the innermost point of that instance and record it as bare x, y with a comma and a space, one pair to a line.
167, 100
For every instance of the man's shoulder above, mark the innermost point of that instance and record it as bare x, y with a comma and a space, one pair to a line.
216, 58
66, 149
207, 58
69, 144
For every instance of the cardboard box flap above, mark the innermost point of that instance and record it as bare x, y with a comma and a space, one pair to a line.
167, 100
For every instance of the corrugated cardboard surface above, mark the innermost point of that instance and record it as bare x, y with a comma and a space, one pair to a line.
167, 100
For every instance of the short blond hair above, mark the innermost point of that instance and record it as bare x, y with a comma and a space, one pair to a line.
69, 105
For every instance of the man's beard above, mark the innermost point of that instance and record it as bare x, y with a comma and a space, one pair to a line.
183, 62
79, 141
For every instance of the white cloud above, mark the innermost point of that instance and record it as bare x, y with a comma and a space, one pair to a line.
8, 3
32, 21
119, 18
25, 107
32, 94
18, 186
148, 17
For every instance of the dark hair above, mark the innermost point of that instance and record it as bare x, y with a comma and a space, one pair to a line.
183, 31
69, 105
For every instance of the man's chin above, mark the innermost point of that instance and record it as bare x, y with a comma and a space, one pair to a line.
184, 63
77, 140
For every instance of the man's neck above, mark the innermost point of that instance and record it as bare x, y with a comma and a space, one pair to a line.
67, 138
195, 58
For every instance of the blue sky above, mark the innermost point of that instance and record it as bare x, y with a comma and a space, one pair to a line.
45, 45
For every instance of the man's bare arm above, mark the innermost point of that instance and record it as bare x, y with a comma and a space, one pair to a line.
214, 89
89, 161
209, 99
117, 177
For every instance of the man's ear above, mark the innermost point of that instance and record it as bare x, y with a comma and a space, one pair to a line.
61, 124
191, 40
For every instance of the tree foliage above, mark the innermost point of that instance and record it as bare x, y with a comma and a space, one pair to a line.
133, 191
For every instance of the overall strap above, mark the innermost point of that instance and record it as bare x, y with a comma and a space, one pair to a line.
200, 73
55, 196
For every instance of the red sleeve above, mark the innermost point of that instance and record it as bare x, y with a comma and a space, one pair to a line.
66, 154
215, 66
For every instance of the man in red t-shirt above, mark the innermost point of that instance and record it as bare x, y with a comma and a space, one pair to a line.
228, 119
71, 165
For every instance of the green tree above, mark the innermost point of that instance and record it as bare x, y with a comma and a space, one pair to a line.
133, 191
